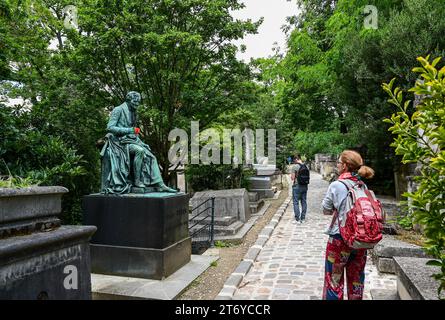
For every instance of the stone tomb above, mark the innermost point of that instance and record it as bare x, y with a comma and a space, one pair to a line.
39, 259
138, 235
232, 211
228, 203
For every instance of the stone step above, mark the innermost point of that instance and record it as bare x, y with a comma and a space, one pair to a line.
253, 196
384, 294
414, 279
229, 230
219, 230
219, 221
256, 206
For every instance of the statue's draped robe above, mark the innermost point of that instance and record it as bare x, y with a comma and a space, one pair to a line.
115, 154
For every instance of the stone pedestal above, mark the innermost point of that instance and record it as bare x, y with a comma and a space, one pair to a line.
142, 236
38, 258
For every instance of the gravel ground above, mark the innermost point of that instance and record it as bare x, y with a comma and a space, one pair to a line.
210, 283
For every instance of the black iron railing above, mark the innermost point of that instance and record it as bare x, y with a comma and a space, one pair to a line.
202, 224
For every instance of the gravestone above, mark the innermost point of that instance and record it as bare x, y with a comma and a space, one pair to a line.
228, 203
39, 258
138, 235
231, 213
265, 169
265, 181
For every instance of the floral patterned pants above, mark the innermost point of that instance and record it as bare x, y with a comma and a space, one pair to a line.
338, 258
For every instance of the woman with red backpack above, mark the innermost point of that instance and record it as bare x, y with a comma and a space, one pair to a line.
341, 253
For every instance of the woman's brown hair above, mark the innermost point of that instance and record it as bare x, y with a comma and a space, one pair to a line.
354, 162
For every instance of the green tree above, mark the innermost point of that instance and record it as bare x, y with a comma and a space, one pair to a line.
178, 54
335, 66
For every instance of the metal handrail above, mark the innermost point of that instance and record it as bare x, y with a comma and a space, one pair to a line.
206, 209
198, 221
208, 212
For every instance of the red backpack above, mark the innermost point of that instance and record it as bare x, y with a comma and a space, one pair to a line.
363, 223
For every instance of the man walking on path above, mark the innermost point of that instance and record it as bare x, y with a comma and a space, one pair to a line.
300, 178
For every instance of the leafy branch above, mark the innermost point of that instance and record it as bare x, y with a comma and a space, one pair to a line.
420, 138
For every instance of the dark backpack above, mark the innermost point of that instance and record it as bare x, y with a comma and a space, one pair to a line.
303, 176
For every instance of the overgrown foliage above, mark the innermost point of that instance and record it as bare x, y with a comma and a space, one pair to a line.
420, 138
330, 79
217, 177
30, 157
177, 53
331, 142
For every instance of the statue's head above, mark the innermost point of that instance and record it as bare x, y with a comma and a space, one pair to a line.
133, 99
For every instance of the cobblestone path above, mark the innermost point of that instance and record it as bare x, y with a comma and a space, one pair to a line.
291, 264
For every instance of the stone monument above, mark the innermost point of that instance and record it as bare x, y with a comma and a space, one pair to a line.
263, 182
231, 211
39, 259
128, 165
142, 224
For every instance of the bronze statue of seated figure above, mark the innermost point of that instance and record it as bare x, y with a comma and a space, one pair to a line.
128, 165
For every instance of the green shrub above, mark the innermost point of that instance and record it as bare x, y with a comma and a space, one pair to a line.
420, 138
30, 157
406, 222
222, 244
